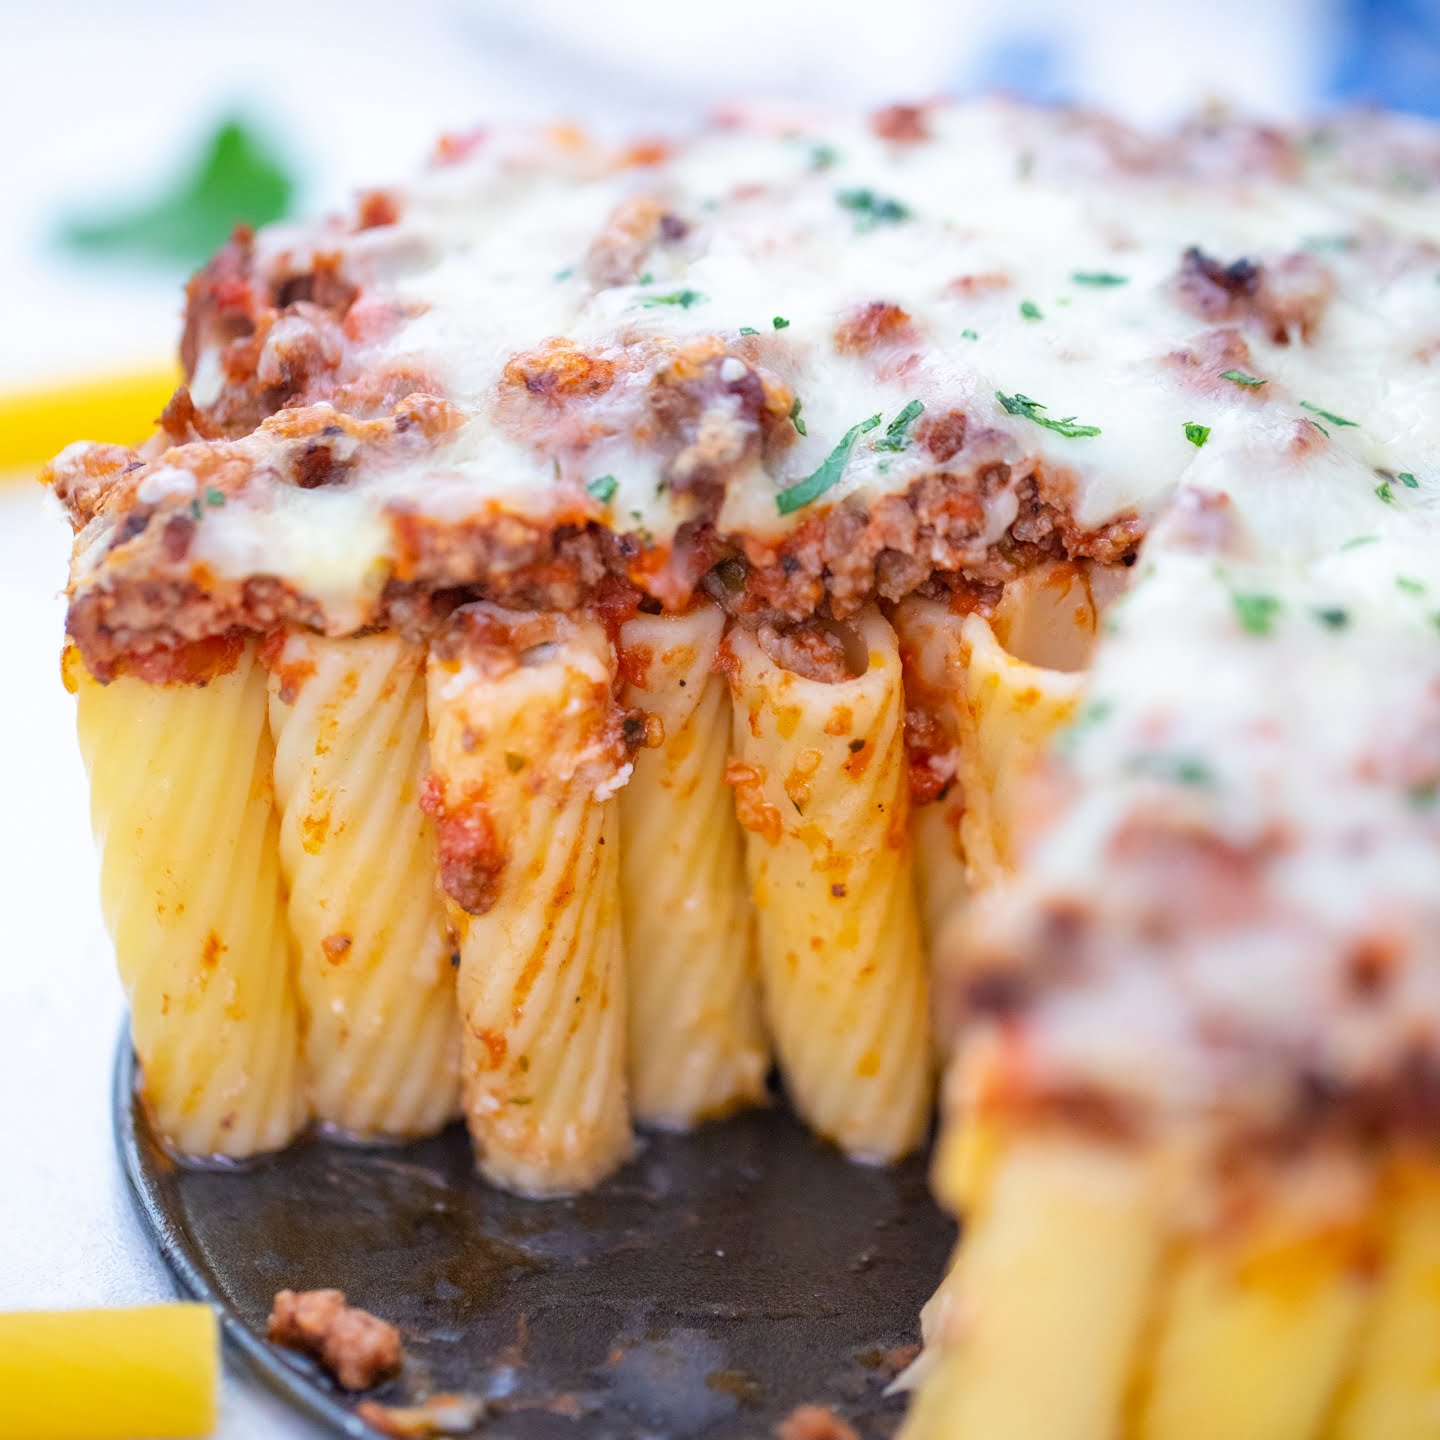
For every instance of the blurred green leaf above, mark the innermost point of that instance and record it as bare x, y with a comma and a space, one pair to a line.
239, 179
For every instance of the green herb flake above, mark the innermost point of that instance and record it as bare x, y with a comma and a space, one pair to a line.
1384, 493
1091, 714
1424, 795
195, 510
1408, 480
1329, 242
1239, 377
603, 488
514, 763
871, 209
1254, 611
814, 485
824, 157
238, 179
795, 418
780, 323
214, 498
896, 437
1329, 415
1197, 435
748, 330
1030, 310
1184, 769
1409, 586
1023, 405
969, 335
683, 298
1332, 617
1098, 278
1355, 542
564, 274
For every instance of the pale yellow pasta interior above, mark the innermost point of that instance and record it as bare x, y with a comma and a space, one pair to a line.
696, 1040
822, 791
181, 799
542, 979
381, 1042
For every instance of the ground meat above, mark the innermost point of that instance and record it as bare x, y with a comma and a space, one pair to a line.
439, 1415
881, 322
359, 1350
815, 1422
618, 253
901, 124
808, 650
1285, 298
472, 859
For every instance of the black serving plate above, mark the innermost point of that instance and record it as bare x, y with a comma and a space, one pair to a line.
719, 1280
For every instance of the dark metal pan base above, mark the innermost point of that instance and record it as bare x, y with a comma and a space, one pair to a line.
720, 1280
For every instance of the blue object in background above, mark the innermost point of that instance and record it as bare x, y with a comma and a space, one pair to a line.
1388, 53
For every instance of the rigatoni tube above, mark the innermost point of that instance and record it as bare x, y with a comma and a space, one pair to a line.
527, 753
697, 1043
821, 789
381, 1045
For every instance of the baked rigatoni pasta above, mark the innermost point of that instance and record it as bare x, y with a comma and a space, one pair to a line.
181, 799
696, 1042
959, 369
373, 972
820, 782
526, 745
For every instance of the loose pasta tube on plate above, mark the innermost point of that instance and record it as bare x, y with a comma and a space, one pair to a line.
526, 751
180, 785
697, 1043
821, 789
381, 1045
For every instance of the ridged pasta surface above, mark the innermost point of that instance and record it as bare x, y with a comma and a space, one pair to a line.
697, 1042
821, 789
190, 887
522, 748
375, 981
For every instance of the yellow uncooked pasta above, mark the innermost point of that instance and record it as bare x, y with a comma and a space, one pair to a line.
526, 755
697, 1044
381, 1044
190, 887
822, 790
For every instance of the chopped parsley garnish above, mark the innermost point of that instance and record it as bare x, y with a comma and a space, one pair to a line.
1023, 405
795, 419
683, 298
1423, 795
1185, 769
603, 488
969, 335
1333, 617
1409, 586
1329, 415
1385, 493
1357, 541
564, 274
780, 323
748, 330
832, 467
1255, 612
1098, 277
823, 157
195, 511
895, 432
1329, 242
1408, 480
214, 498
1030, 310
1197, 435
871, 209
1239, 377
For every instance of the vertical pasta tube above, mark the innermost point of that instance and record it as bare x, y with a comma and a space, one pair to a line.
190, 887
526, 752
934, 666
1395, 1389
1038, 1322
697, 1045
821, 788
1260, 1319
381, 1046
